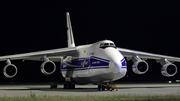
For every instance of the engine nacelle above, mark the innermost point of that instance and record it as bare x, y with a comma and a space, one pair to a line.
168, 70
10, 70
48, 67
140, 67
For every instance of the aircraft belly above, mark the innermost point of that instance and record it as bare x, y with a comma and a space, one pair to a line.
93, 79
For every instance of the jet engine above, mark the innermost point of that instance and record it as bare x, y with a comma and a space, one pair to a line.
139, 66
48, 67
168, 70
9, 70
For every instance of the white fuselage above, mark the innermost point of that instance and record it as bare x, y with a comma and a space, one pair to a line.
95, 64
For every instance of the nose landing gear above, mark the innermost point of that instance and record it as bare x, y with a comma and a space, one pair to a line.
101, 87
107, 86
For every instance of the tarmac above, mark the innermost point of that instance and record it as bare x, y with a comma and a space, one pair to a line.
90, 90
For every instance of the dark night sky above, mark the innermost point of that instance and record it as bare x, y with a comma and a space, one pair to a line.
148, 26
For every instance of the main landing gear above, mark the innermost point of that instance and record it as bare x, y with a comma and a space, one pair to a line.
69, 85
108, 86
53, 85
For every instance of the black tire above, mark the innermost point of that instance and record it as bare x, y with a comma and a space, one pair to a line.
72, 86
69, 86
53, 85
108, 88
99, 87
103, 87
65, 86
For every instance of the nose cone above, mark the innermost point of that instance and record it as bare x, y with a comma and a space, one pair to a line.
113, 54
115, 67
118, 69
117, 63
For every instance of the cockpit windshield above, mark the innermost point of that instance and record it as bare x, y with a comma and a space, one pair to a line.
105, 45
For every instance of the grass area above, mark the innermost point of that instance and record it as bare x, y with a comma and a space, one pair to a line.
33, 97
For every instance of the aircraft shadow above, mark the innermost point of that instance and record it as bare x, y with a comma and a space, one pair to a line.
58, 89
147, 87
78, 89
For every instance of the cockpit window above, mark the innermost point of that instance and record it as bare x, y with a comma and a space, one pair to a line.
111, 44
105, 45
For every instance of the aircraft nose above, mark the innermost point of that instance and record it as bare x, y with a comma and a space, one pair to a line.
117, 63
118, 68
115, 67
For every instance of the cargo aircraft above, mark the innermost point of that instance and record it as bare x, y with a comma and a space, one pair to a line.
96, 63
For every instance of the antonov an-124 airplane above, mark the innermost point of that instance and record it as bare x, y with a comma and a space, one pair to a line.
96, 63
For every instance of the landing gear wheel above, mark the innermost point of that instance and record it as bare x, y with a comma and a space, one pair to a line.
53, 85
101, 87
108, 88
69, 86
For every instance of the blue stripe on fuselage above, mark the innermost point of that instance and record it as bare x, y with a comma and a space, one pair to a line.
94, 57
78, 69
123, 62
85, 63
92, 62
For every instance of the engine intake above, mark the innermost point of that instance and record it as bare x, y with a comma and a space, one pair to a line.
140, 67
48, 67
9, 70
168, 70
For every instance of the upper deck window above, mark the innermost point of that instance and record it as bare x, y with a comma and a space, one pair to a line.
105, 45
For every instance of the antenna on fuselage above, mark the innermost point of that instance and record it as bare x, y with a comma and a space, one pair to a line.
70, 38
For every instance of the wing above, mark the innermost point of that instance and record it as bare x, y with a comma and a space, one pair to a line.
130, 53
54, 54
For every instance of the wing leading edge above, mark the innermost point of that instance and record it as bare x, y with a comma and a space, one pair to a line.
54, 54
130, 53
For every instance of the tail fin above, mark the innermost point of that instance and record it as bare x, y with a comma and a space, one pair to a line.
69, 32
